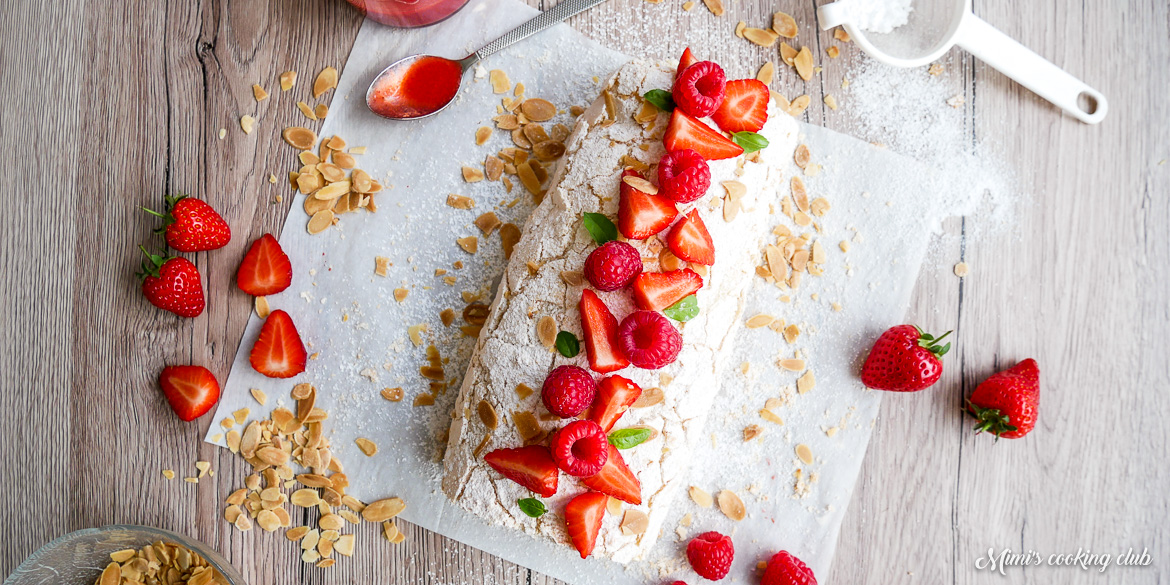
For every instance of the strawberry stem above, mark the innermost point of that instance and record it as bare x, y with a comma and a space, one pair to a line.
990, 420
151, 265
930, 342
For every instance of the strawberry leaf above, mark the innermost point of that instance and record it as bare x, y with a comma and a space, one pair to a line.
750, 141
628, 438
600, 227
568, 344
684, 310
532, 507
661, 99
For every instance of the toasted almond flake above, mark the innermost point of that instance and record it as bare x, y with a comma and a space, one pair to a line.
731, 505
804, 453
687, 6
247, 123
761, 37
610, 104
777, 266
538, 110
791, 333
499, 80
344, 160
383, 510
299, 138
833, 52
447, 317
800, 260
955, 101
243, 523
700, 497
841, 35
804, 63
527, 175
715, 6
831, 101
962, 269
751, 431
167, 473
344, 545
487, 415
548, 150
523, 391
326, 80
649, 397
935, 69
306, 110
770, 416
470, 244
392, 394
806, 382
482, 134
460, 202
801, 155
641, 184
487, 223
634, 522
799, 105
415, 333
332, 190
320, 220
787, 53
766, 73
802, 219
784, 25
367, 446
261, 305
509, 237
761, 320
381, 265
576, 110
613, 506
792, 364
546, 331
472, 175
321, 111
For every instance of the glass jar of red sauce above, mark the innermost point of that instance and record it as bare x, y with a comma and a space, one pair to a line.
408, 13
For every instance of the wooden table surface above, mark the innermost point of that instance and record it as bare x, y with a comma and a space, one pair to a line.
110, 105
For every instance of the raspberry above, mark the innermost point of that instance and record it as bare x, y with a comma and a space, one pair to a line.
612, 265
710, 554
785, 569
683, 175
580, 449
648, 340
699, 89
568, 391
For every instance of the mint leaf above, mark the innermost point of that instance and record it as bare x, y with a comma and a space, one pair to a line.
628, 438
568, 344
533, 507
684, 310
750, 141
661, 99
600, 227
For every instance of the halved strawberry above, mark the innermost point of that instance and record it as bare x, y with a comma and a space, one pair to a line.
688, 59
191, 390
685, 131
690, 240
615, 479
266, 269
614, 396
583, 516
654, 291
601, 343
532, 467
279, 351
640, 214
744, 107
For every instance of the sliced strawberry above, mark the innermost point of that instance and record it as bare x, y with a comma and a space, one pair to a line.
191, 390
744, 107
532, 467
640, 214
600, 335
583, 518
266, 269
279, 352
687, 132
654, 291
614, 396
688, 59
690, 240
615, 479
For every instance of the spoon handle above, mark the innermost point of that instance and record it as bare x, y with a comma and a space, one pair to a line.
563, 10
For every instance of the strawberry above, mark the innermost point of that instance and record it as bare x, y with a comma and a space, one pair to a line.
744, 107
172, 284
688, 59
1006, 404
191, 390
278, 352
191, 225
690, 240
614, 396
654, 291
600, 327
532, 467
684, 132
615, 479
583, 516
904, 359
266, 269
640, 214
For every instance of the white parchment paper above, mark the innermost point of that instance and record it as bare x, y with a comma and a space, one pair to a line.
349, 318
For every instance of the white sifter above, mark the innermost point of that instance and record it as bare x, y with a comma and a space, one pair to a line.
893, 33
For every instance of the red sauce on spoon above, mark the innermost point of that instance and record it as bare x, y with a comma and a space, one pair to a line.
416, 88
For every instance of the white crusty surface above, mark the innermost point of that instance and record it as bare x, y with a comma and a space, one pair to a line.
554, 239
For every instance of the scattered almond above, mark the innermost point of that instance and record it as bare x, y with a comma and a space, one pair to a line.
731, 505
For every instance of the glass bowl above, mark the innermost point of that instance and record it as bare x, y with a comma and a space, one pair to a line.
79, 557
408, 13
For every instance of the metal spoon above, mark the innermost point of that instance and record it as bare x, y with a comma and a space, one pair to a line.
383, 100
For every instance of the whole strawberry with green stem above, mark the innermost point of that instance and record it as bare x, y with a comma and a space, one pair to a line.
1007, 403
904, 359
191, 225
172, 284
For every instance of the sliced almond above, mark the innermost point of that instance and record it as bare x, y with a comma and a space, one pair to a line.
320, 220
641, 184
731, 505
546, 331
487, 223
299, 138
307, 111
784, 25
761, 37
761, 320
326, 80
792, 364
332, 190
700, 497
804, 63
752, 431
766, 73
804, 453
806, 382
649, 397
487, 415
499, 80
262, 309
287, 80
801, 156
470, 244
509, 237
506, 122
538, 110
367, 446
460, 202
247, 123
482, 134
799, 105
472, 175
383, 510
634, 522
715, 6
547, 150
259, 93
392, 394
344, 160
